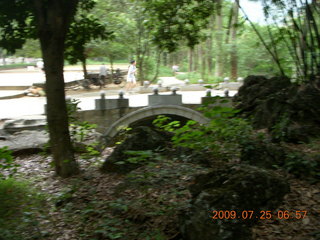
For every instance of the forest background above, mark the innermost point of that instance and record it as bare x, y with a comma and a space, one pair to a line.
226, 47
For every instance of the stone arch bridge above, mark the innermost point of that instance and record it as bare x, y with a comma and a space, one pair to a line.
110, 121
153, 111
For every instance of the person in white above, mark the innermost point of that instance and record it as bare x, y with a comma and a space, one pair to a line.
131, 77
40, 65
103, 73
175, 69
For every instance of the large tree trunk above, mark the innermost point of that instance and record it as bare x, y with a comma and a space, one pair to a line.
53, 19
218, 37
233, 33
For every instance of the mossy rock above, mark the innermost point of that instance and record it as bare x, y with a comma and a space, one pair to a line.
141, 139
290, 112
262, 153
239, 188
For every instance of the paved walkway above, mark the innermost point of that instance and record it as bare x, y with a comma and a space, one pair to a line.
26, 107
171, 81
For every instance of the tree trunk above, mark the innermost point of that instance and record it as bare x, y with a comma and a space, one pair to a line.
233, 33
53, 19
111, 68
209, 55
165, 59
84, 68
202, 61
191, 55
218, 36
157, 66
196, 58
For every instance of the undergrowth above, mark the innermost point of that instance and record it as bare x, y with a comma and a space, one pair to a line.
21, 210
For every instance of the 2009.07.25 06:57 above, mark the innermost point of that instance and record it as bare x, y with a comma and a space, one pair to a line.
249, 214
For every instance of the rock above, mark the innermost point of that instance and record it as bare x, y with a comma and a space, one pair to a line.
262, 154
290, 112
25, 141
239, 188
142, 138
13, 126
3, 138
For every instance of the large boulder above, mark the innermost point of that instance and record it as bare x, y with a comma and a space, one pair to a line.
25, 141
141, 139
289, 111
262, 153
239, 188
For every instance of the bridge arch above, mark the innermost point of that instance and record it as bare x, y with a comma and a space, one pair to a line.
147, 112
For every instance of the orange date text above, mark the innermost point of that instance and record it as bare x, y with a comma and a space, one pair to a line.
262, 215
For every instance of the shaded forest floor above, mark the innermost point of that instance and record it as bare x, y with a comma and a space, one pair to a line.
143, 204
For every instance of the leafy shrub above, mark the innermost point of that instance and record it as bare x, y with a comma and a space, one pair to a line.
165, 123
81, 130
7, 163
279, 130
19, 211
140, 157
302, 165
221, 138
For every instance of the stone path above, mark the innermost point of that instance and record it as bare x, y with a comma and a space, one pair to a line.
171, 81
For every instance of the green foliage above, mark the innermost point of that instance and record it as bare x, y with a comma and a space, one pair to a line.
81, 130
140, 157
171, 23
193, 77
7, 163
78, 129
302, 165
83, 29
91, 151
14, 66
17, 24
20, 211
110, 229
165, 71
279, 130
164, 122
221, 138
31, 49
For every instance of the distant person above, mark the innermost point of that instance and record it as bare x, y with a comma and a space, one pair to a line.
175, 69
102, 74
131, 77
40, 65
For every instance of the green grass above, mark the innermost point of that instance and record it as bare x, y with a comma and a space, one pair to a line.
15, 66
20, 209
106, 61
194, 77
165, 71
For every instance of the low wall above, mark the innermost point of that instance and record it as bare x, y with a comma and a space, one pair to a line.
104, 118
